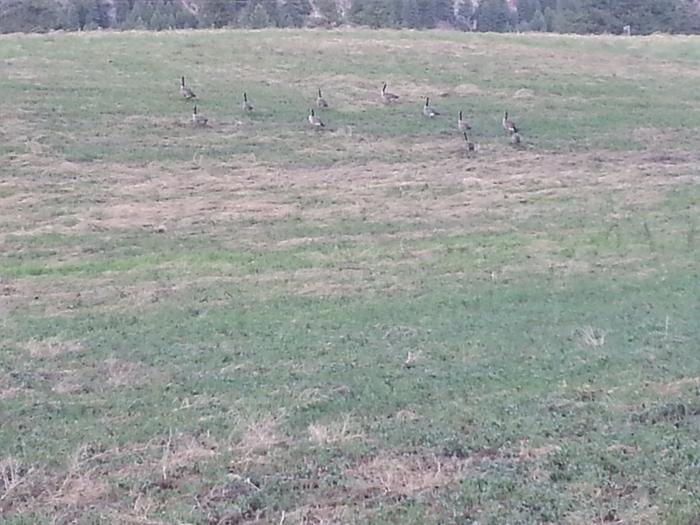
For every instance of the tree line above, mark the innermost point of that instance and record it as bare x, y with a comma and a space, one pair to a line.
560, 16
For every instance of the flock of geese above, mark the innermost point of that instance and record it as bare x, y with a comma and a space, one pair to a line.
386, 98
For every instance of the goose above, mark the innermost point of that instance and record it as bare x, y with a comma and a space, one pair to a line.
387, 97
315, 121
462, 124
469, 143
246, 105
186, 92
197, 119
428, 110
320, 101
508, 124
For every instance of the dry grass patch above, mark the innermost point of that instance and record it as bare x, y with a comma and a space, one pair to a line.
163, 460
93, 479
407, 416
334, 432
80, 490
112, 373
313, 282
71, 382
320, 514
535, 458
183, 452
258, 440
12, 475
528, 453
591, 337
58, 296
675, 388
408, 474
120, 373
29, 490
210, 193
52, 348
8, 390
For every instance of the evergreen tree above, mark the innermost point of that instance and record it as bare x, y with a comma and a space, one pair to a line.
538, 22
494, 15
217, 13
184, 19
395, 10
273, 11
122, 10
98, 14
29, 16
294, 12
143, 11
527, 9
465, 13
158, 21
77, 14
444, 11
646, 16
372, 13
426, 13
410, 17
163, 15
550, 18
245, 12
258, 17
329, 10
686, 18
583, 16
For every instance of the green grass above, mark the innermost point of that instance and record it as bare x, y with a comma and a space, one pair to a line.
257, 323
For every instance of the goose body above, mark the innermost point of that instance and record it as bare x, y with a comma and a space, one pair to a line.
428, 110
508, 124
387, 97
314, 121
515, 139
246, 105
320, 101
186, 92
468, 142
462, 124
197, 119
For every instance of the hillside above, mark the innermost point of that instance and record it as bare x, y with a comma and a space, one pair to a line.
255, 321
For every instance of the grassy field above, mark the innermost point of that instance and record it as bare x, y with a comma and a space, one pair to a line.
260, 323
